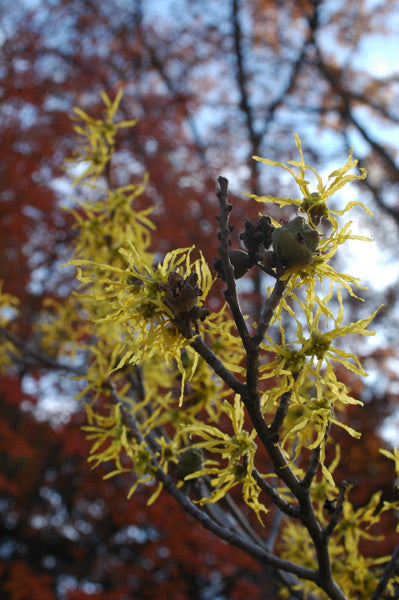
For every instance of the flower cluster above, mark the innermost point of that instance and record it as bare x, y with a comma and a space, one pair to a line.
231, 457
141, 315
98, 138
168, 384
303, 357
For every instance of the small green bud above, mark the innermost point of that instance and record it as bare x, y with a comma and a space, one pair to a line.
190, 461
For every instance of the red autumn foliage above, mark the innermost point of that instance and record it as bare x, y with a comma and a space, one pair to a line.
65, 531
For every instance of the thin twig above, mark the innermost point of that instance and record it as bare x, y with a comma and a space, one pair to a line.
389, 571
282, 504
32, 357
241, 76
312, 467
274, 530
213, 361
281, 413
314, 462
268, 311
254, 550
337, 511
237, 514
228, 270
253, 346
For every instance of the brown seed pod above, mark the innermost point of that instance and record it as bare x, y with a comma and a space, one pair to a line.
255, 235
240, 260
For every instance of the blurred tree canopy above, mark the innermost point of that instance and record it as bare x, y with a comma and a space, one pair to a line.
211, 84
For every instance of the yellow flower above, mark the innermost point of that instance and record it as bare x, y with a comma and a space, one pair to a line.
393, 505
236, 454
113, 441
320, 271
98, 136
316, 343
394, 455
313, 347
109, 436
314, 204
354, 522
136, 299
105, 225
356, 575
304, 367
222, 337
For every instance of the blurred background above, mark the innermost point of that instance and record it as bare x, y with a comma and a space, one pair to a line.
212, 83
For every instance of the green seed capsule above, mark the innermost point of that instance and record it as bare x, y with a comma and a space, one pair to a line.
295, 243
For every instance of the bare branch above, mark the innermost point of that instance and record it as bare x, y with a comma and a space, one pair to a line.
213, 361
274, 530
241, 77
337, 511
35, 358
281, 413
254, 550
389, 571
314, 462
268, 311
312, 468
224, 237
282, 504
